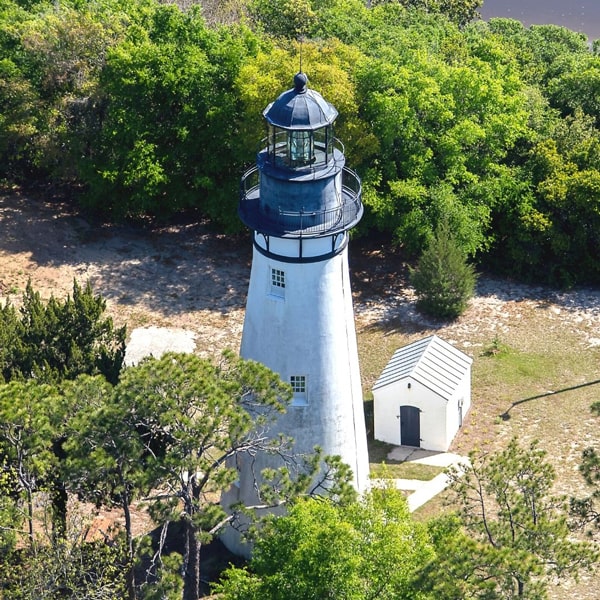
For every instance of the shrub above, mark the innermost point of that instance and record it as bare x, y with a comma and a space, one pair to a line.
443, 279
55, 340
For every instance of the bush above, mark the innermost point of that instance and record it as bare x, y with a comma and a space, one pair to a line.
443, 280
56, 340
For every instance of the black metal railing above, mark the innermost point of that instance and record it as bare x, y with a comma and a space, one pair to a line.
301, 223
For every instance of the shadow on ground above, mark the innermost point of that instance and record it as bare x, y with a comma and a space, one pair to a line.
171, 268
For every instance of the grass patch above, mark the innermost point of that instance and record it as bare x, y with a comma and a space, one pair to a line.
378, 452
437, 506
404, 470
514, 368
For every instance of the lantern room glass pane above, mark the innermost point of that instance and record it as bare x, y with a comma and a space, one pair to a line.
301, 148
323, 140
278, 150
298, 149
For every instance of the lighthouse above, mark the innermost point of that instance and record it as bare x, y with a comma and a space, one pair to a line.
300, 202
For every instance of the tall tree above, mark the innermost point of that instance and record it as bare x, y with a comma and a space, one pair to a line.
168, 139
103, 454
174, 424
517, 535
447, 109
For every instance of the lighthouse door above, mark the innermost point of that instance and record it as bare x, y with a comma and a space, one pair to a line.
410, 426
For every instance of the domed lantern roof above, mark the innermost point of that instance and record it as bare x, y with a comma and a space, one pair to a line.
300, 108
300, 128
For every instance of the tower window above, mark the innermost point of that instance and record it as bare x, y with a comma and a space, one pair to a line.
277, 282
298, 383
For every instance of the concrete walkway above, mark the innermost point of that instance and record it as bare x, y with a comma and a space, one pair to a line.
423, 491
155, 341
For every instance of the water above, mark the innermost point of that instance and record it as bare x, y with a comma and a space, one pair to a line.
582, 16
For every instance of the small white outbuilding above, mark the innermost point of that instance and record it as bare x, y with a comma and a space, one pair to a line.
422, 395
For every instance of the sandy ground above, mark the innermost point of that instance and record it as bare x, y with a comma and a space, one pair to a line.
181, 276
185, 276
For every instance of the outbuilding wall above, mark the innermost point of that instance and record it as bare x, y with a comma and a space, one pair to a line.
387, 400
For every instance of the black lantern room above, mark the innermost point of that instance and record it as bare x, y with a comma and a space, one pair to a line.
300, 186
300, 128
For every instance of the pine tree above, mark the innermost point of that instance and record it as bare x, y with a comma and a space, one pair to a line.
510, 536
443, 280
57, 340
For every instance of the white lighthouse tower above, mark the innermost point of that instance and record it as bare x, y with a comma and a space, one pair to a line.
300, 201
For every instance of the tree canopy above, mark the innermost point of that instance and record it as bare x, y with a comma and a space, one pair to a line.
515, 536
360, 551
59, 339
151, 109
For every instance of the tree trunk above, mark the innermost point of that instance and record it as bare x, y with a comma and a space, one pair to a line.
59, 511
59, 492
131, 587
30, 515
191, 583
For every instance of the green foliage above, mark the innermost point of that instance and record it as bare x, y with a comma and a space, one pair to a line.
458, 11
11, 517
496, 348
539, 48
192, 417
444, 281
516, 537
285, 18
168, 136
30, 415
446, 112
103, 452
585, 510
172, 424
553, 226
169, 431
70, 567
169, 584
363, 550
56, 54
18, 102
57, 340
329, 65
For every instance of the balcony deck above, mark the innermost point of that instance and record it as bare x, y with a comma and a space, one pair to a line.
296, 224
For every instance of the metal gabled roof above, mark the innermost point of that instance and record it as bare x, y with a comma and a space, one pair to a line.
434, 363
300, 108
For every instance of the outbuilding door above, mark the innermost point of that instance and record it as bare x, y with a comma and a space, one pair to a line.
410, 426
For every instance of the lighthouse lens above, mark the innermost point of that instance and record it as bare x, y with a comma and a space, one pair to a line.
301, 151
